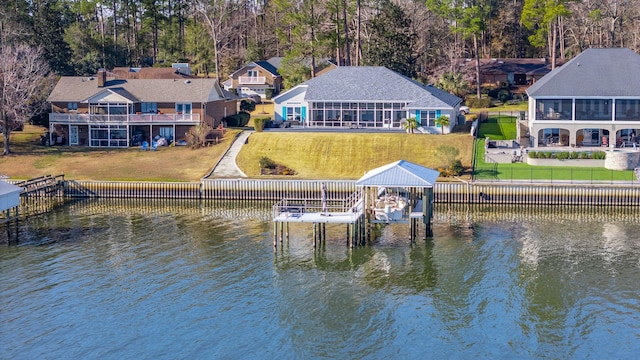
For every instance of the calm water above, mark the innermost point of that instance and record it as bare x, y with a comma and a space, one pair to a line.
189, 280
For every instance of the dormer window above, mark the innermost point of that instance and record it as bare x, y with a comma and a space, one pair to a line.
72, 106
252, 73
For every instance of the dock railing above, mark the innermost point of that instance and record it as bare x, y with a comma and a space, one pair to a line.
351, 204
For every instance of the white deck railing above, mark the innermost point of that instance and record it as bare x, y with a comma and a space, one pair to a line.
124, 119
252, 80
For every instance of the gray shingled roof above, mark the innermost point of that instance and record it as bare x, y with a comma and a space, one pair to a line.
276, 61
594, 72
266, 65
400, 174
77, 89
375, 83
269, 67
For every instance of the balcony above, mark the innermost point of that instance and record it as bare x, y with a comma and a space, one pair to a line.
132, 119
252, 80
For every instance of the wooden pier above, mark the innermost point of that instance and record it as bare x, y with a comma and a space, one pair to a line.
35, 196
349, 211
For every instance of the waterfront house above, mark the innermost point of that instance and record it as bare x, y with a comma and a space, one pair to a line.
176, 71
322, 65
255, 78
512, 72
102, 111
365, 97
592, 100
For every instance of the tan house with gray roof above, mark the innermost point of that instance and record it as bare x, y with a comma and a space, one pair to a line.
107, 112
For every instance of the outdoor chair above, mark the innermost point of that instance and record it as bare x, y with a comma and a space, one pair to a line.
145, 146
154, 145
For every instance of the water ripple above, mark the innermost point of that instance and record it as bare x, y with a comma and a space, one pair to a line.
111, 282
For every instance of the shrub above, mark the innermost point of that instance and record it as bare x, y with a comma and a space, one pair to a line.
478, 103
247, 105
270, 167
237, 120
504, 95
197, 135
267, 163
573, 155
533, 154
585, 155
599, 155
456, 167
259, 123
563, 155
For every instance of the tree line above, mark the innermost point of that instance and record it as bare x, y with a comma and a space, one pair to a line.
420, 39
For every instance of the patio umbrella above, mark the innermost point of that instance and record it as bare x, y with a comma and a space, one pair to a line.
324, 197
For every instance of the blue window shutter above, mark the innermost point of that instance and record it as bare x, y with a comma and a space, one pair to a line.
284, 112
303, 113
418, 116
437, 114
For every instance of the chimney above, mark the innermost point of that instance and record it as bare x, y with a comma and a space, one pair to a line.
102, 77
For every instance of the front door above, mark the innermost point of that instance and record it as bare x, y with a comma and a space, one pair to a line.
387, 122
73, 135
591, 137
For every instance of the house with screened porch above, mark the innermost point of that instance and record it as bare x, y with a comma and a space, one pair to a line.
107, 111
365, 97
592, 100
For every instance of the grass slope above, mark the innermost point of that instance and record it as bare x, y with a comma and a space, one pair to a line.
346, 155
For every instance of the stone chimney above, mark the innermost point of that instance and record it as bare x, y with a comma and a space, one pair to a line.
102, 77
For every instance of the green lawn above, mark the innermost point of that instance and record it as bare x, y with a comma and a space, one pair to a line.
499, 127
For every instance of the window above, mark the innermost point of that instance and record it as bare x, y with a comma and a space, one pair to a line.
166, 132
252, 73
428, 118
108, 135
294, 113
72, 106
183, 108
150, 108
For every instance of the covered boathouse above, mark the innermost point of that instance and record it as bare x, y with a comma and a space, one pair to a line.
9, 200
400, 192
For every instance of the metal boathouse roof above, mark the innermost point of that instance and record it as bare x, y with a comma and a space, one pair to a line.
400, 174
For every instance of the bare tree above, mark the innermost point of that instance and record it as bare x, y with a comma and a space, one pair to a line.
23, 86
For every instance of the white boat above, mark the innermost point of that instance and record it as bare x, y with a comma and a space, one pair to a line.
390, 208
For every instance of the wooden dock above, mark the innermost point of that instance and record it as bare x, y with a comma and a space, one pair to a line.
320, 212
400, 192
37, 196
42, 186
